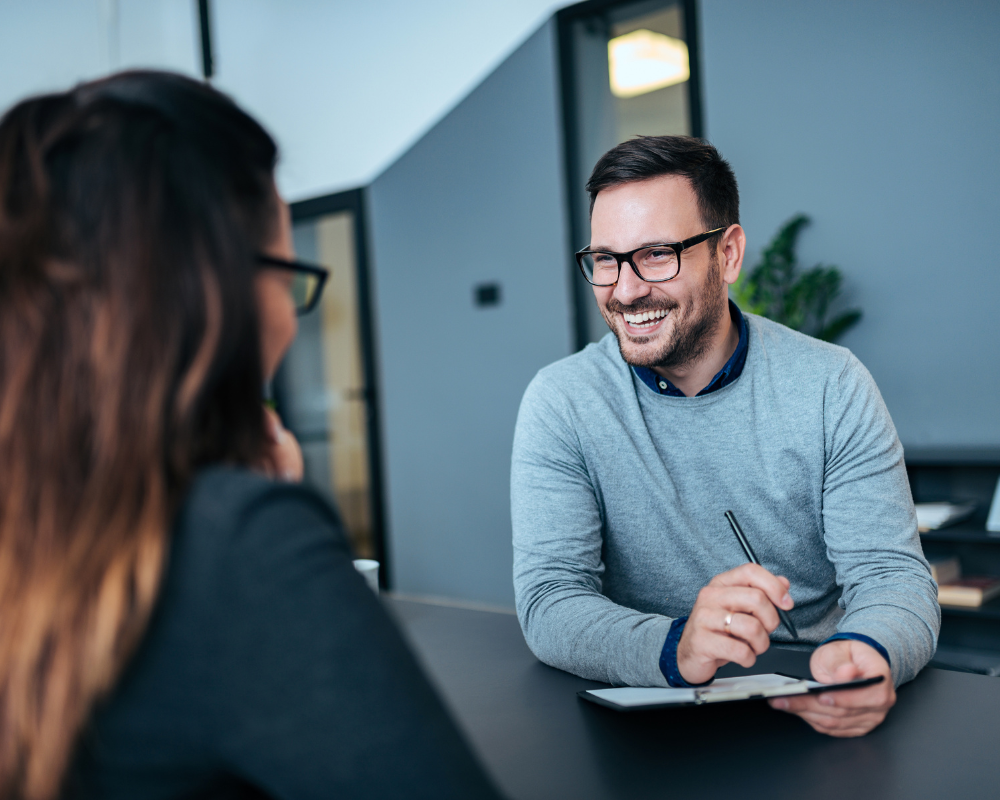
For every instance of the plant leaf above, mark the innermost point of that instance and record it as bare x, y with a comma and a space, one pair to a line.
773, 288
839, 326
743, 294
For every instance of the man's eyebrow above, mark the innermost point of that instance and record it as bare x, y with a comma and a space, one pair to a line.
650, 243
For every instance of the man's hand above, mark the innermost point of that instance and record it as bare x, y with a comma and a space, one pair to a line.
283, 459
848, 713
731, 621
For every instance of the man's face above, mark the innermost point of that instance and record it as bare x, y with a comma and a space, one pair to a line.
684, 312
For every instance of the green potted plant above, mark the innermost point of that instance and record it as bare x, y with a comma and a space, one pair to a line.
775, 289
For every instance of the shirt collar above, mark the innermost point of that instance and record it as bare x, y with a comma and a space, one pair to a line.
730, 371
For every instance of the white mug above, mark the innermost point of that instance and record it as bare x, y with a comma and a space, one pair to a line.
369, 569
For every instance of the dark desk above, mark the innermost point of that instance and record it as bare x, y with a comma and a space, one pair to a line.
942, 740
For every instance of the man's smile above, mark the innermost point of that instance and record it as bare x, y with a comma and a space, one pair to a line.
645, 322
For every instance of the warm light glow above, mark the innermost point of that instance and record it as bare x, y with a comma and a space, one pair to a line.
643, 61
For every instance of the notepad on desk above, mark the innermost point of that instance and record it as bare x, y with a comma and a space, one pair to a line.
724, 690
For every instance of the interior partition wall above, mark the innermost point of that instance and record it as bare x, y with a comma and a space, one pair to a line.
470, 271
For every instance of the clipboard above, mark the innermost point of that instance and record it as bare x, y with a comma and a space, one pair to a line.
724, 690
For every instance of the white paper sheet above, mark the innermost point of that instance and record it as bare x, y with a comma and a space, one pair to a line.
720, 691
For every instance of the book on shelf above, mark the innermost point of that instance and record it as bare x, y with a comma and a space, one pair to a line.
932, 516
969, 592
945, 570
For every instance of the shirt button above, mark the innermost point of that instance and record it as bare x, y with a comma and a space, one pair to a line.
663, 384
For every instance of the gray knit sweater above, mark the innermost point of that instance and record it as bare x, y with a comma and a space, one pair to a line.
618, 495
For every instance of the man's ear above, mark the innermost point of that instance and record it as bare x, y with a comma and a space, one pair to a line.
732, 248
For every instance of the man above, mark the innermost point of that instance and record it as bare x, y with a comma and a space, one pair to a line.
627, 455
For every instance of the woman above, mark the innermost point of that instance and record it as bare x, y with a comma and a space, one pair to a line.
174, 624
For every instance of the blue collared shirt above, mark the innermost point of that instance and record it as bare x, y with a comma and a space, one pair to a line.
729, 373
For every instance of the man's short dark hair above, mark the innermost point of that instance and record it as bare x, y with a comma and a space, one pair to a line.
646, 157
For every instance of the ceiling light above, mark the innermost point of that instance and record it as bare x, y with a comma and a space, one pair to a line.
643, 61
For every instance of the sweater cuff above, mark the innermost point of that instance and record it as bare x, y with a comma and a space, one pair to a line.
668, 657
858, 637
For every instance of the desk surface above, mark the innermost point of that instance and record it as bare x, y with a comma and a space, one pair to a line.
942, 740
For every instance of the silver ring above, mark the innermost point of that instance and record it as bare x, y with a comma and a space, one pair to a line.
729, 621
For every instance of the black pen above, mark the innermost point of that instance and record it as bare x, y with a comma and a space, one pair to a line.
742, 539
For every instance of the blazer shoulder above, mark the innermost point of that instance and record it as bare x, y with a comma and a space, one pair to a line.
222, 501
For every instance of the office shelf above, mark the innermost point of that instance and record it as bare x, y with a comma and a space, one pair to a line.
990, 610
959, 534
970, 637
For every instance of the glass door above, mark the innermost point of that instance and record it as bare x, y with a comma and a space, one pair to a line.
325, 389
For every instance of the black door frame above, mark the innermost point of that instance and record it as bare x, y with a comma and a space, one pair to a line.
353, 200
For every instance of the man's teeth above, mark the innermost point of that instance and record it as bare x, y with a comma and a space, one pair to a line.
645, 319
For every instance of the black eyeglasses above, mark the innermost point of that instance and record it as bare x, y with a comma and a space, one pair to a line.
653, 263
307, 281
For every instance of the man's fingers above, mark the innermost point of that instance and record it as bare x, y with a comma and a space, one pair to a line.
699, 662
747, 628
835, 666
848, 712
831, 712
877, 696
851, 701
742, 600
804, 704
847, 660
745, 598
847, 671
727, 648
775, 587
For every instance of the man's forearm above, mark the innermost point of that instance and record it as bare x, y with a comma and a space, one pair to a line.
585, 633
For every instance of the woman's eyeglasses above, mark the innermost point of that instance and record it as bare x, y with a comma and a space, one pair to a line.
307, 281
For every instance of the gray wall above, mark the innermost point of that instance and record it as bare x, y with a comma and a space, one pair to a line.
881, 120
478, 199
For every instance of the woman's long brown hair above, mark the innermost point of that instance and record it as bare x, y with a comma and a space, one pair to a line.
130, 211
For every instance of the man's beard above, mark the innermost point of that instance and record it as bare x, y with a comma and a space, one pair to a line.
692, 333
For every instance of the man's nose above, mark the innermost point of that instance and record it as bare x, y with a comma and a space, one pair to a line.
630, 286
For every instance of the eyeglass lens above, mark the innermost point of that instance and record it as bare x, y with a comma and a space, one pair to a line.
652, 264
304, 288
